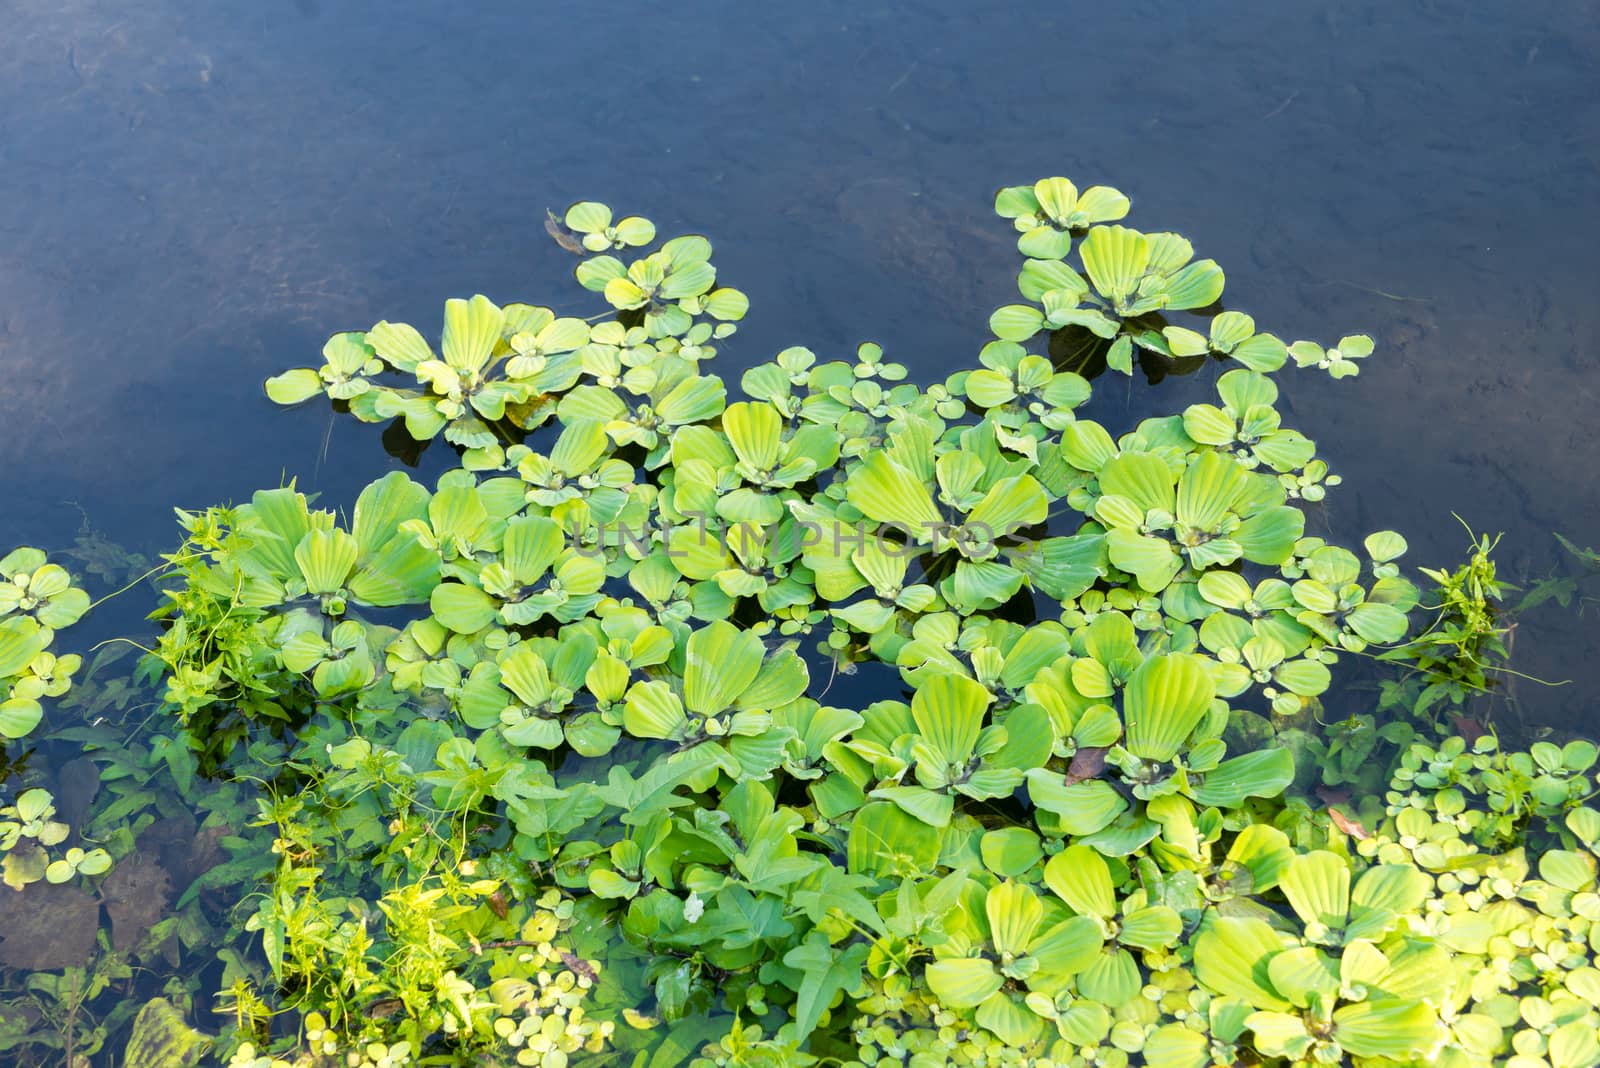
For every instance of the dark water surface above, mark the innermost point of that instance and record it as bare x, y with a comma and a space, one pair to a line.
193, 195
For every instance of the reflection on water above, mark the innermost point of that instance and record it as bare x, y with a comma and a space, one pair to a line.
192, 197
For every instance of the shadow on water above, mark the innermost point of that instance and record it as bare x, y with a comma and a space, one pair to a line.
192, 198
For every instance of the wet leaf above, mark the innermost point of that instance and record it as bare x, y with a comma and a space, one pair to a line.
163, 1039
136, 895
1087, 763
562, 236
1348, 825
47, 926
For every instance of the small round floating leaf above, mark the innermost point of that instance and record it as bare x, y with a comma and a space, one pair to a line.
588, 217
1115, 258
654, 711
1263, 773
1102, 203
1385, 545
1014, 912
1263, 352
1396, 888
1380, 623
1079, 876
292, 387
95, 862
1081, 808
1177, 1046
464, 609
963, 983
1113, 979
597, 273
1579, 755
1575, 1045
1164, 701
1014, 201
633, 230
754, 430
726, 304
1196, 286
1209, 425
1009, 1020
19, 716
1306, 678
884, 840
1185, 342
1045, 243
471, 331
1087, 445
1356, 346
721, 662
1394, 1029
1016, 322
1232, 955
1229, 328
1302, 972
1268, 537
1010, 852
1317, 885
326, 558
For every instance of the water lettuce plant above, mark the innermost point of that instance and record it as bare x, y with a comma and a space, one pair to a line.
817, 718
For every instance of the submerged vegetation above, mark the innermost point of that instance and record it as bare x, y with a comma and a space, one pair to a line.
573, 757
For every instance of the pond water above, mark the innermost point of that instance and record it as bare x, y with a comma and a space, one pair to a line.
192, 196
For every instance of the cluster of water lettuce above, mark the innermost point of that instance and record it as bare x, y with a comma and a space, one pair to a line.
1050, 844
37, 599
551, 772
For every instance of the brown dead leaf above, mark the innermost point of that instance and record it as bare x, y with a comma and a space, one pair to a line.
136, 895
578, 966
1086, 764
384, 1008
1349, 826
184, 852
1469, 728
563, 237
46, 926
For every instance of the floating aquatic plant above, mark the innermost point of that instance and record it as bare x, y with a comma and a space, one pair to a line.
550, 775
